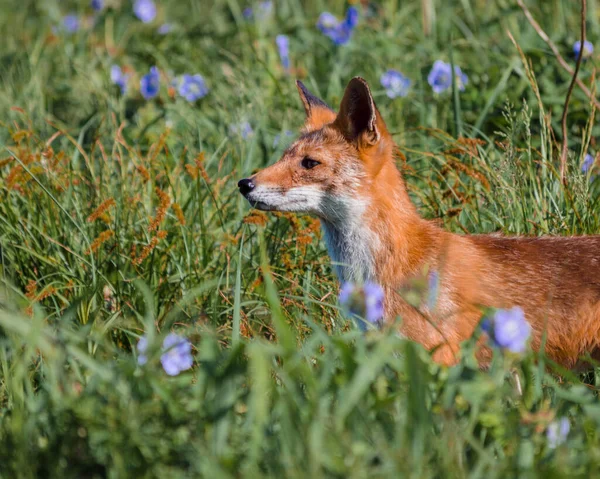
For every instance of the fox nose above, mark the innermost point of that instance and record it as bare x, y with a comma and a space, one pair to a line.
246, 186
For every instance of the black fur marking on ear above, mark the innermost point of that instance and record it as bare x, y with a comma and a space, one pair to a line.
358, 111
308, 99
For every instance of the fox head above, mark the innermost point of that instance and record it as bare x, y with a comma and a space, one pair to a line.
332, 166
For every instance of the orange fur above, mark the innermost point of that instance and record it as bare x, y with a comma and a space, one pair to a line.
554, 279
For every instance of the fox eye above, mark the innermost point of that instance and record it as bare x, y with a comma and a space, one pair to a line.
308, 163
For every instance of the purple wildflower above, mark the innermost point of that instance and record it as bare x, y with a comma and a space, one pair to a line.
97, 4
557, 432
346, 292
177, 356
192, 87
351, 19
262, 12
145, 10
150, 84
508, 329
395, 83
365, 302
244, 129
164, 28
71, 23
119, 78
588, 49
265, 9
374, 297
588, 163
433, 283
327, 23
283, 45
440, 77
142, 347
338, 31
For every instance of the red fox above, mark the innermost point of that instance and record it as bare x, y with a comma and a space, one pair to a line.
342, 170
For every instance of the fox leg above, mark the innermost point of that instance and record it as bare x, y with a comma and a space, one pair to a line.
443, 336
417, 327
446, 354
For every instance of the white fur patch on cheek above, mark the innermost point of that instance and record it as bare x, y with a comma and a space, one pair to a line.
302, 199
266, 197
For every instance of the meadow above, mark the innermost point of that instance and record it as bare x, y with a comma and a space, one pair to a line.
124, 128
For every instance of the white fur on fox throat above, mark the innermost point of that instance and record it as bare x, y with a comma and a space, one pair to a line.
350, 242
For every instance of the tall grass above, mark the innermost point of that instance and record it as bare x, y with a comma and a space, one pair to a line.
119, 217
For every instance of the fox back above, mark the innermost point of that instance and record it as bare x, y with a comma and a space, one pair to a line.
342, 170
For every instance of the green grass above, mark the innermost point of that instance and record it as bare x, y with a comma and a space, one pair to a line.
282, 384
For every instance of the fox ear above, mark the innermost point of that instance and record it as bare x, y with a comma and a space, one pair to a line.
317, 111
358, 116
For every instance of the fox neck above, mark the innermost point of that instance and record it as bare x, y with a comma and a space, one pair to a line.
376, 234
350, 244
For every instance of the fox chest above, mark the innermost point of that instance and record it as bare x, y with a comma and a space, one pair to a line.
351, 252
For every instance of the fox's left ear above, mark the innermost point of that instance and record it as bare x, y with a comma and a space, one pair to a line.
358, 118
318, 113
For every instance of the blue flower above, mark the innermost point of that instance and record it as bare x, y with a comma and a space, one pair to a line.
283, 45
374, 297
277, 139
265, 8
588, 163
177, 356
433, 283
508, 329
71, 23
588, 49
142, 347
164, 28
342, 36
145, 10
351, 19
244, 129
193, 87
440, 77
119, 78
338, 31
327, 23
150, 84
557, 432
97, 4
395, 83
263, 11
366, 302
346, 292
